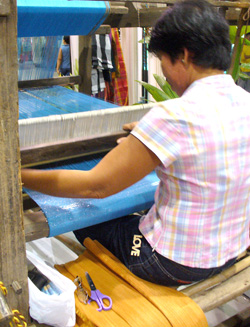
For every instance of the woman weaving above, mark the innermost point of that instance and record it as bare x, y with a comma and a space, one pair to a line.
198, 144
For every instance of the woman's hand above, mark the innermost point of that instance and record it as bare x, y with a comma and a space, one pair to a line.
127, 127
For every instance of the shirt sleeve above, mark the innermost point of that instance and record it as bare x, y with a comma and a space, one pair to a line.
160, 131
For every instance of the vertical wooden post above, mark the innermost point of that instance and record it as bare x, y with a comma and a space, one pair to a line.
237, 41
12, 242
85, 63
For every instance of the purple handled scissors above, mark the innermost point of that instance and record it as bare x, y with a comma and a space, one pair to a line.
97, 296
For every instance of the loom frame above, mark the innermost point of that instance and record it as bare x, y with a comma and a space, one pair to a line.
12, 241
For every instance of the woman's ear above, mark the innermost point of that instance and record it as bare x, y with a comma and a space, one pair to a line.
186, 57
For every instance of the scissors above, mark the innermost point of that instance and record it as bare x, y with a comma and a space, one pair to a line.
97, 296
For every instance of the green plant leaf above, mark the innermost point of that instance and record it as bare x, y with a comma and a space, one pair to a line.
243, 76
236, 67
156, 93
232, 32
165, 86
145, 40
247, 42
245, 65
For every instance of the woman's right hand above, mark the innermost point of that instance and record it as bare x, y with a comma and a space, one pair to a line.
127, 127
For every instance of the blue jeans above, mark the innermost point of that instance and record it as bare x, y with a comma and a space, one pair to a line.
65, 71
123, 238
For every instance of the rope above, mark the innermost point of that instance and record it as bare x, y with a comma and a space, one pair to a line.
247, 15
18, 319
3, 288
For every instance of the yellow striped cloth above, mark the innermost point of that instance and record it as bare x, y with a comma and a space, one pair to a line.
135, 302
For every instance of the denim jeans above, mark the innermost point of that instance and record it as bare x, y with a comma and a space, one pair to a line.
123, 238
65, 71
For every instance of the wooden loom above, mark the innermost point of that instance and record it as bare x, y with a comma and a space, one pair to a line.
12, 233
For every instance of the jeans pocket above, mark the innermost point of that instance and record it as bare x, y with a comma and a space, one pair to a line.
153, 271
144, 269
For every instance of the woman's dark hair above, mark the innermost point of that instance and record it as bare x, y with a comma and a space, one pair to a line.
197, 26
66, 39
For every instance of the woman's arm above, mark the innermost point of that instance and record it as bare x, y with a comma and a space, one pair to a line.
59, 61
123, 166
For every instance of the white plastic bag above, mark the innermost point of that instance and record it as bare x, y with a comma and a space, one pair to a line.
54, 310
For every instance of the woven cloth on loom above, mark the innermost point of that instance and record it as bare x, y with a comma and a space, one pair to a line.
60, 17
56, 100
50, 114
65, 215
136, 303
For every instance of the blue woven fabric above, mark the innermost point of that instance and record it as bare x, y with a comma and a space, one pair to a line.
56, 100
65, 215
59, 17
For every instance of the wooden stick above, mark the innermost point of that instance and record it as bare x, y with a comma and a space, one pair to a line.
35, 225
71, 244
224, 292
237, 40
64, 80
236, 268
5, 8
78, 147
235, 4
173, 304
12, 241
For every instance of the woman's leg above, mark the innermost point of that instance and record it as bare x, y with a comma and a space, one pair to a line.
123, 238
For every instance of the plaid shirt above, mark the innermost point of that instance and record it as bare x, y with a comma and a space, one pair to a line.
201, 213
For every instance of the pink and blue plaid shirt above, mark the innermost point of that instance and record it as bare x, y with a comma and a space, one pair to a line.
201, 213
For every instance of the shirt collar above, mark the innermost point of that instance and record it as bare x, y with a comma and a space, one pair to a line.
217, 81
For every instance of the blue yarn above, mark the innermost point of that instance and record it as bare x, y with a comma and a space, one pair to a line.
37, 57
65, 214
59, 17
56, 100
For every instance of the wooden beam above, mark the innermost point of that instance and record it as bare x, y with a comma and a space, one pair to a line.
145, 17
232, 15
217, 279
35, 225
230, 289
103, 29
64, 80
241, 23
5, 8
235, 4
73, 245
45, 153
118, 9
85, 63
13, 266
